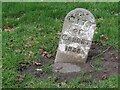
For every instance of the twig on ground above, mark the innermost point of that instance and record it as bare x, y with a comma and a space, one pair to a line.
99, 55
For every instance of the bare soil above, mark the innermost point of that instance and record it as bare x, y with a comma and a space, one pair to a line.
102, 62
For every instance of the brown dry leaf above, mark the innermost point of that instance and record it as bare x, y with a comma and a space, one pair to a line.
106, 38
41, 51
49, 55
38, 63
103, 39
44, 54
9, 29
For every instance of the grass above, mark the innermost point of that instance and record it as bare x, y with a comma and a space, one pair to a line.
47, 68
36, 26
98, 64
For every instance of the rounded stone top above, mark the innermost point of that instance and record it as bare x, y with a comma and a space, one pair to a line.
80, 14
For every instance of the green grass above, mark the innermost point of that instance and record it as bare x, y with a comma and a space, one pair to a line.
47, 68
98, 64
36, 26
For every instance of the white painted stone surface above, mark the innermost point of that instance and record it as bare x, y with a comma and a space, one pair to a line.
76, 38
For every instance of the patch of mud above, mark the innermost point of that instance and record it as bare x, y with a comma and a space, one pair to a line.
102, 62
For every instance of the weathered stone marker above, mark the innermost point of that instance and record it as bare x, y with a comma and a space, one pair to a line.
76, 37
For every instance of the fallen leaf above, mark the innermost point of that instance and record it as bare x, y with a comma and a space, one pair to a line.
103, 39
38, 63
44, 54
49, 55
41, 51
9, 29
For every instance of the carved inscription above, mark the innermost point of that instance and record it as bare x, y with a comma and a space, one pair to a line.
72, 49
76, 38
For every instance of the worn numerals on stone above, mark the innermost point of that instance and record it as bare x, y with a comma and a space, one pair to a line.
76, 38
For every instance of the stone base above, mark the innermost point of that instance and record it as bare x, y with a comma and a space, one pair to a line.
65, 68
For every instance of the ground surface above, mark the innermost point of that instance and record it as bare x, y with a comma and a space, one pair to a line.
31, 34
99, 66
